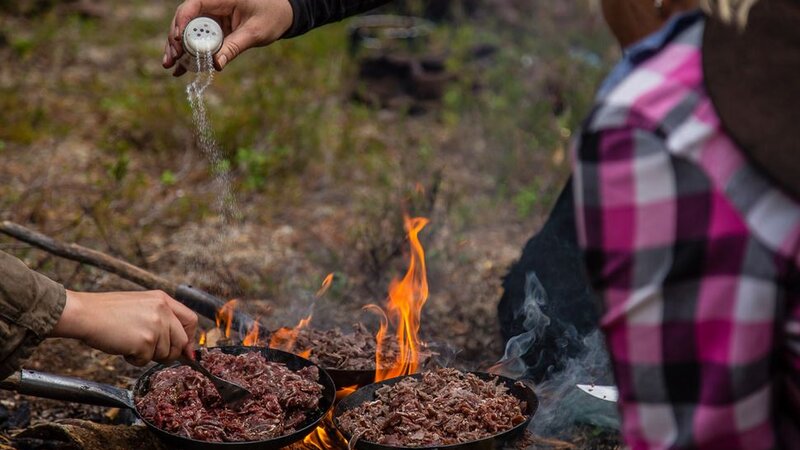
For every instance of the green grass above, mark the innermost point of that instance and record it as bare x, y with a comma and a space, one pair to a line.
275, 112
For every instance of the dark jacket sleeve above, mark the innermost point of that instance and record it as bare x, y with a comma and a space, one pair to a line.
30, 306
310, 14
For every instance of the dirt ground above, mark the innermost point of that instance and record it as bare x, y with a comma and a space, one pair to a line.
98, 148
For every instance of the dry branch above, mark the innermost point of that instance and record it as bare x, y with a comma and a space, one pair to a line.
199, 301
88, 256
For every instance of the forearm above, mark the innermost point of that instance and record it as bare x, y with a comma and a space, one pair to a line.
310, 14
30, 306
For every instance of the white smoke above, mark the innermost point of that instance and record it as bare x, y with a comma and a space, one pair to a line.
562, 406
535, 322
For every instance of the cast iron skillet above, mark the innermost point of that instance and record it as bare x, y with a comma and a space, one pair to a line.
207, 305
344, 378
517, 389
76, 390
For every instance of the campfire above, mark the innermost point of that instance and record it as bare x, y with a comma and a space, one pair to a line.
395, 348
394, 406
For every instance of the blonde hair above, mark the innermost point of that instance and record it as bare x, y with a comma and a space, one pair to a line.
730, 11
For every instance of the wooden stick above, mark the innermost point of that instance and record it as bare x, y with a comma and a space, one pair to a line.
199, 301
88, 256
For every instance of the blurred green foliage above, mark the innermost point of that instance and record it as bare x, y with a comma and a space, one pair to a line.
282, 117
168, 178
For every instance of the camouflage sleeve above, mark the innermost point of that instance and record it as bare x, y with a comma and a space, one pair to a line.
30, 306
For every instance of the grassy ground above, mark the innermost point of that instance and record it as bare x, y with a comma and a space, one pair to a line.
97, 147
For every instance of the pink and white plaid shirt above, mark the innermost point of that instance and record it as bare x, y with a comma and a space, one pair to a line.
696, 256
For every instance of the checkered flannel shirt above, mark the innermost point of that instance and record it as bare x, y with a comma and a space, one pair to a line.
695, 255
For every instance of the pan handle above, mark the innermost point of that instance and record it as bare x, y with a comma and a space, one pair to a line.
58, 387
207, 305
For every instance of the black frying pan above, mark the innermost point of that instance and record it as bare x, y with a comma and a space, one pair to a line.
207, 305
76, 390
517, 389
344, 378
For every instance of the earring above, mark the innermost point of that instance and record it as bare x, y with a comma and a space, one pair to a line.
659, 4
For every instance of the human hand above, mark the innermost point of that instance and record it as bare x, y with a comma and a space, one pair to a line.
246, 24
141, 326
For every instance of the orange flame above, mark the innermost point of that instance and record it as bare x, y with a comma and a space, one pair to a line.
224, 321
251, 338
326, 284
319, 440
380, 359
325, 436
284, 338
225, 315
345, 391
406, 299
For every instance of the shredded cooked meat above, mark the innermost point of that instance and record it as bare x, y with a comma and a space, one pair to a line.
444, 407
182, 401
333, 349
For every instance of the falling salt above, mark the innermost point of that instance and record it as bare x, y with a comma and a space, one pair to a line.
226, 200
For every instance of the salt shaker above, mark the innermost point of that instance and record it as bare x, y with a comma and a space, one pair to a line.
202, 36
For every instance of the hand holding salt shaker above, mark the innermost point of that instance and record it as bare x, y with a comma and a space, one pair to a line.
202, 36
